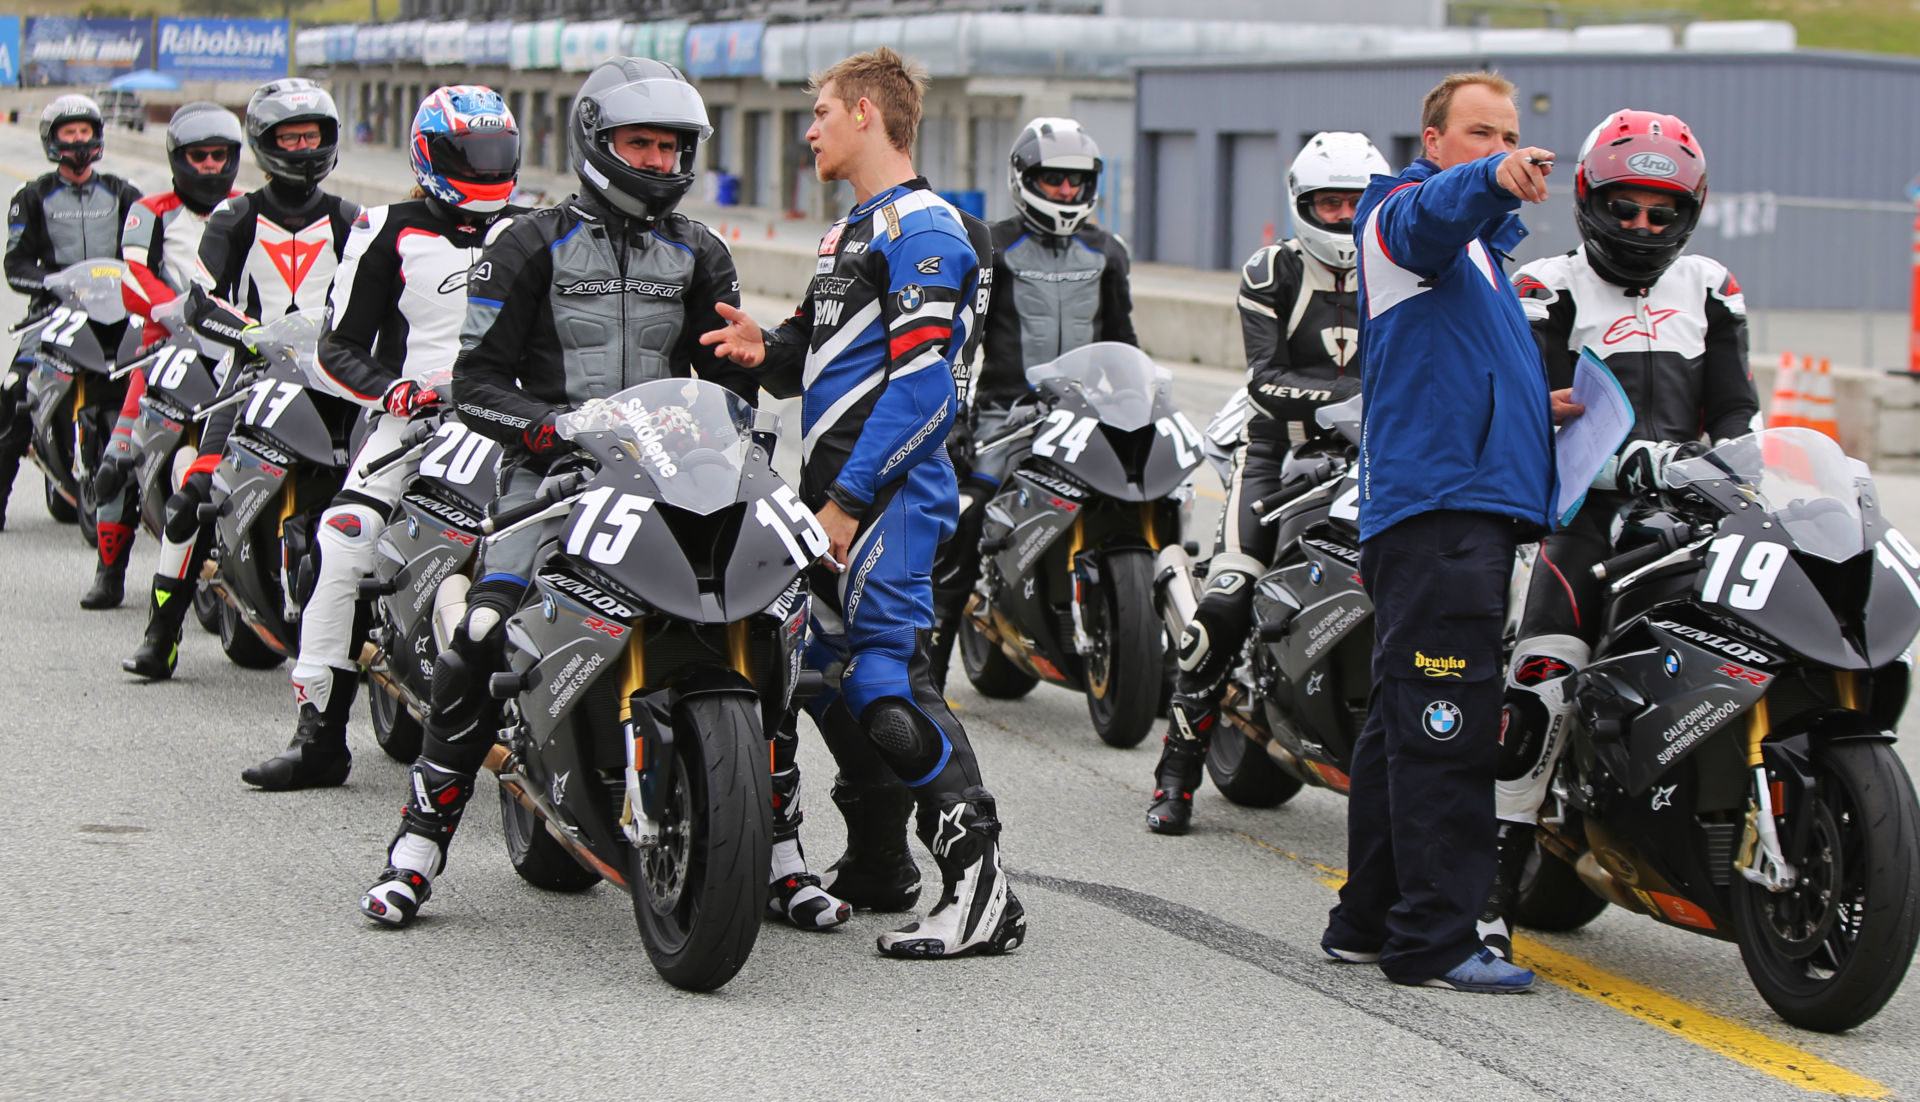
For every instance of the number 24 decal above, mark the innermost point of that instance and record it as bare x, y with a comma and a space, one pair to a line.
1067, 434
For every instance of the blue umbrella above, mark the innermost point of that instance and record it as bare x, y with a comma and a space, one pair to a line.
143, 80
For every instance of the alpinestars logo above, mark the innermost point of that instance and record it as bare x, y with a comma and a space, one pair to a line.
952, 819
623, 286
1629, 327
454, 283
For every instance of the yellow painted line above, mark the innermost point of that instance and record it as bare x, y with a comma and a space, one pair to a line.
1744, 1046
1201, 490
8, 169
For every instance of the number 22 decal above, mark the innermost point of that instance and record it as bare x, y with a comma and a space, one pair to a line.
1759, 569
63, 325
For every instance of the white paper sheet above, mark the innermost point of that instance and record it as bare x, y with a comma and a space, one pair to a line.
1585, 443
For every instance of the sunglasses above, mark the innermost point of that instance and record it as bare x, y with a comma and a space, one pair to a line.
207, 156
297, 141
1626, 210
1055, 177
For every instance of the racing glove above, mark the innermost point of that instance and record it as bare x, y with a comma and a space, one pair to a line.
1641, 466
406, 398
541, 438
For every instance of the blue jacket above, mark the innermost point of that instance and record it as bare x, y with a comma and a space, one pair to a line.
1455, 400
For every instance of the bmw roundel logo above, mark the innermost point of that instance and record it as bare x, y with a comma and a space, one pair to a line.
549, 607
1670, 662
1441, 719
1314, 573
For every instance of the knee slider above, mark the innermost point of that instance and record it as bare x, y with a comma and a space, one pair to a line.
489, 602
350, 529
910, 742
1219, 624
111, 478
183, 507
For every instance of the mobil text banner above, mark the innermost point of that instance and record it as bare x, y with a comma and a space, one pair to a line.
67, 50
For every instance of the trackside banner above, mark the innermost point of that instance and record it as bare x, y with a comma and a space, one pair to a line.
222, 49
9, 50
64, 50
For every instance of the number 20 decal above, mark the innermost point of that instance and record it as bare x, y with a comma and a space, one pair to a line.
458, 455
1759, 570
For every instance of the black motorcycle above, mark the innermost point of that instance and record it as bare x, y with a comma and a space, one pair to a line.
423, 567
180, 374
285, 459
661, 641
72, 391
1297, 697
1731, 770
1066, 586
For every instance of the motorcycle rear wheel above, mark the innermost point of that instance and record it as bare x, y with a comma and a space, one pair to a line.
394, 728
1124, 672
992, 674
1245, 773
1830, 953
700, 895
58, 507
1552, 896
242, 645
535, 854
206, 608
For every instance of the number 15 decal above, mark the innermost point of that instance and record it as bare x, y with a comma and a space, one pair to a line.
797, 516
610, 544
1759, 569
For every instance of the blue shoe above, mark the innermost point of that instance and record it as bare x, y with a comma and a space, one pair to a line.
1352, 956
1484, 973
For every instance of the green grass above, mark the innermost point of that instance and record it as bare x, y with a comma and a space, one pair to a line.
309, 13
1871, 26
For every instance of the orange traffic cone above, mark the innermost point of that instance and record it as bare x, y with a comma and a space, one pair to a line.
736, 233
1785, 412
1816, 399
769, 231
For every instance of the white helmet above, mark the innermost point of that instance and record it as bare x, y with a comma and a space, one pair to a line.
1057, 145
1332, 159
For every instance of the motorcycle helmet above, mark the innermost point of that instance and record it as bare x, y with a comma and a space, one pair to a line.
1056, 148
465, 148
1332, 160
635, 91
1637, 149
196, 124
66, 109
294, 99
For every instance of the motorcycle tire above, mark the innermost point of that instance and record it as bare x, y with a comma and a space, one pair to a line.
206, 608
58, 507
89, 517
992, 673
1245, 773
699, 896
1552, 897
1124, 672
394, 728
242, 645
536, 855
1828, 954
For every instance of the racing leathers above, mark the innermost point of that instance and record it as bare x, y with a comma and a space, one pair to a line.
1679, 351
264, 254
52, 223
567, 304
393, 318
871, 348
1298, 323
1046, 295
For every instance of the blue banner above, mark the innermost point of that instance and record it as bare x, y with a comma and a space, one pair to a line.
222, 49
65, 50
724, 49
9, 50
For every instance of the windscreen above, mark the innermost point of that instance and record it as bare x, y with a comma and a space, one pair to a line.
93, 286
691, 436
1799, 476
1120, 382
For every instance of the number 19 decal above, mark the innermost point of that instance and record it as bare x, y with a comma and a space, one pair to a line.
1898, 555
1759, 569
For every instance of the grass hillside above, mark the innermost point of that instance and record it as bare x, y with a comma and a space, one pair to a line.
308, 12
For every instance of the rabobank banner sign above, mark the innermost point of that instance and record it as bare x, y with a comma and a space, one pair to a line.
9, 50
65, 50
222, 49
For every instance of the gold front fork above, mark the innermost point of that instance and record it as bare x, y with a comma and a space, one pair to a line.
1147, 528
739, 649
633, 678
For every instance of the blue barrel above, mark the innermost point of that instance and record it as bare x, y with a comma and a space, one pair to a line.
973, 202
727, 191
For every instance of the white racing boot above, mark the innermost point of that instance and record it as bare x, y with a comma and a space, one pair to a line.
977, 912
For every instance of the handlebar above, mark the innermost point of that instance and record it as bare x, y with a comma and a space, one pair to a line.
543, 500
415, 439
1629, 561
32, 320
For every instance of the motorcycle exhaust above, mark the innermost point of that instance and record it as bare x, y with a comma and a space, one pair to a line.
1175, 592
1605, 885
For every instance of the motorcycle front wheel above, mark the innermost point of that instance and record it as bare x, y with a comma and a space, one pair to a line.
991, 673
1828, 953
1245, 773
700, 895
58, 507
1124, 673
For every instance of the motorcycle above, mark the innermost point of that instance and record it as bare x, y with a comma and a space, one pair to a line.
660, 642
1297, 696
1107, 459
1731, 770
423, 568
72, 390
285, 459
182, 374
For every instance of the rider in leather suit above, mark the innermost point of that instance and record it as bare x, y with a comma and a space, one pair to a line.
1299, 321
247, 271
68, 215
1673, 330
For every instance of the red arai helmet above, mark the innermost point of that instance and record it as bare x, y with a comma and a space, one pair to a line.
1637, 149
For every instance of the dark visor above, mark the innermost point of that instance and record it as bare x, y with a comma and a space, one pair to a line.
485, 158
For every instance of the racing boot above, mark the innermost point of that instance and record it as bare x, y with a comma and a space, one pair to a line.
1515, 843
159, 652
977, 912
1181, 760
876, 873
318, 756
793, 893
436, 799
110, 578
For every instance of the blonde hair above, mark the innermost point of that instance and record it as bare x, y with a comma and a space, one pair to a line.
885, 79
1439, 102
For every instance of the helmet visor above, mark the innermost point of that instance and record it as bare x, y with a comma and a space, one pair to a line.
480, 158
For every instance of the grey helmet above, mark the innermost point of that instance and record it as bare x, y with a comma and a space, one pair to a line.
635, 91
1057, 145
66, 109
203, 123
293, 99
